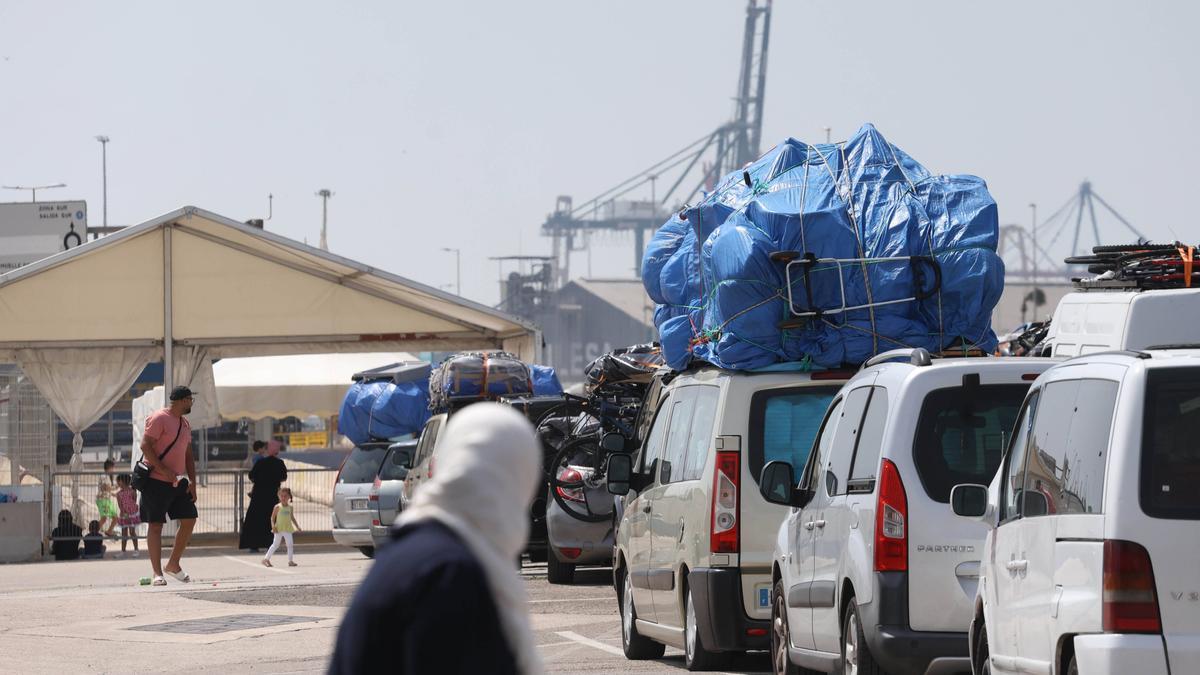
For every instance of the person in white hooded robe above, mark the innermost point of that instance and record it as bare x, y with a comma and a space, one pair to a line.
444, 596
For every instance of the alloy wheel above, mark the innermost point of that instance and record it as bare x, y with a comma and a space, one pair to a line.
690, 628
850, 646
627, 611
780, 631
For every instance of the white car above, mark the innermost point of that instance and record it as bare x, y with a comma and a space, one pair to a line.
692, 565
872, 571
1094, 563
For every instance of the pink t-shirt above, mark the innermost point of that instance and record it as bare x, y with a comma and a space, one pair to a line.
161, 427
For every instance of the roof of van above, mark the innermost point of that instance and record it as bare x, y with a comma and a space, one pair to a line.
895, 373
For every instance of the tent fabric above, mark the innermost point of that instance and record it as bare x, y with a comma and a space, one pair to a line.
722, 297
80, 385
239, 291
292, 385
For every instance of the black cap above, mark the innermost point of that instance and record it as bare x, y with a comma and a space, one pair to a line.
180, 393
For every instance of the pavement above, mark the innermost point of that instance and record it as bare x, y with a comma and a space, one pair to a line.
240, 617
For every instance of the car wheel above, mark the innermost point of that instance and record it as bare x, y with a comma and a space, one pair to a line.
983, 655
368, 551
856, 656
781, 663
1073, 669
538, 555
635, 646
695, 656
559, 572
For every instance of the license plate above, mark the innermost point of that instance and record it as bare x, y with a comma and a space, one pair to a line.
358, 505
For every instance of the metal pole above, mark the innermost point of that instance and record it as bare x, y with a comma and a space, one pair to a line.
168, 318
1033, 209
458, 272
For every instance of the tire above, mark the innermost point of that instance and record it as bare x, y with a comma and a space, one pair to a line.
781, 632
856, 657
982, 664
368, 551
636, 646
538, 555
589, 447
559, 572
695, 655
1072, 669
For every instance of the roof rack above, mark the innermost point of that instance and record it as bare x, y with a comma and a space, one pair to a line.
917, 356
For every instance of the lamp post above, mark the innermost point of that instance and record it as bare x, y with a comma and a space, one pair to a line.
457, 269
1033, 234
324, 194
34, 188
104, 173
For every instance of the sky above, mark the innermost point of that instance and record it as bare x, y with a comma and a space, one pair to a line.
456, 124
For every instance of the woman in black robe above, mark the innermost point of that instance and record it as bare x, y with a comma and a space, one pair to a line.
266, 475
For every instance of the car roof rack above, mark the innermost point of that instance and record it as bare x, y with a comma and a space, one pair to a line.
917, 356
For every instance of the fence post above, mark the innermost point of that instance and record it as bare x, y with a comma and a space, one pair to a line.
239, 515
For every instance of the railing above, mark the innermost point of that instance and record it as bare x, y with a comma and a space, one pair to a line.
222, 497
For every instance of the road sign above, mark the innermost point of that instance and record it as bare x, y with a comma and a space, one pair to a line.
30, 231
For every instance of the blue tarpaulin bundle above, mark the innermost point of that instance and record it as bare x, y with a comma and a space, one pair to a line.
865, 225
379, 410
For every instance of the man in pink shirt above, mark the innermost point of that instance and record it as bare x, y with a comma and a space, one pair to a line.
167, 448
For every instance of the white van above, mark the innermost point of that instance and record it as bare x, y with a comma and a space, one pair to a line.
872, 571
1098, 319
1093, 563
692, 562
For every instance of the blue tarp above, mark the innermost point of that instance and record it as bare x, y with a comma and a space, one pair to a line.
721, 297
381, 410
545, 381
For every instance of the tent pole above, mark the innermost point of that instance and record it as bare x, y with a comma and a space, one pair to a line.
168, 317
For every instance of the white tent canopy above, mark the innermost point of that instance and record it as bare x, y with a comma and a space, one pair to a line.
191, 286
291, 386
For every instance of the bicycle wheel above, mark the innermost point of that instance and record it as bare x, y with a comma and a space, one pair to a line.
577, 481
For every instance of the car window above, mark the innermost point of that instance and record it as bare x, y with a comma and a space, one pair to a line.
870, 439
783, 424
671, 468
1170, 450
427, 441
1065, 469
845, 440
652, 448
362, 465
815, 469
395, 465
700, 438
1014, 470
961, 435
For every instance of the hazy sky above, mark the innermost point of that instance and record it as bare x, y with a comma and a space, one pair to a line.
457, 123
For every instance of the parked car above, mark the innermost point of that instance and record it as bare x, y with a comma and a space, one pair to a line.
1092, 563
1088, 321
872, 571
352, 509
385, 493
692, 566
573, 541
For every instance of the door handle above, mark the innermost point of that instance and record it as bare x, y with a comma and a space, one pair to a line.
808, 525
646, 507
1016, 565
819, 523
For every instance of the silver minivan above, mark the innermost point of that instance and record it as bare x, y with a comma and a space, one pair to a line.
389, 484
352, 509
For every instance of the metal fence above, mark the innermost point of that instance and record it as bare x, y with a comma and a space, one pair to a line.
222, 497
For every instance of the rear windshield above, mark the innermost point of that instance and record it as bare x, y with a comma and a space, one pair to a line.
395, 467
783, 424
362, 465
1171, 444
961, 435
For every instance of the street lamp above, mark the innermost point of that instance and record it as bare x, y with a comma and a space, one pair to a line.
34, 188
104, 173
457, 269
324, 195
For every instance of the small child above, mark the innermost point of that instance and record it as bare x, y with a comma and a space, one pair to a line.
93, 542
106, 503
283, 524
129, 518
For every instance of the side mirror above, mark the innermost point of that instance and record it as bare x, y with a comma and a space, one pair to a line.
1034, 503
969, 500
612, 442
619, 474
406, 459
777, 484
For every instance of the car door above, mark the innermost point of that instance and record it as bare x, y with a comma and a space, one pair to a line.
636, 521
666, 509
1001, 581
831, 526
802, 532
420, 462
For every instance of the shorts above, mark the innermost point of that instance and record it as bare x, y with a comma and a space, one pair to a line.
161, 500
107, 506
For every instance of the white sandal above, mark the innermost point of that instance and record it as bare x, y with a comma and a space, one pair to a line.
181, 575
158, 581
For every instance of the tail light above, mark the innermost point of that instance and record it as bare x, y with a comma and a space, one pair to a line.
1130, 599
569, 475
429, 472
891, 521
373, 495
726, 502
570, 553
